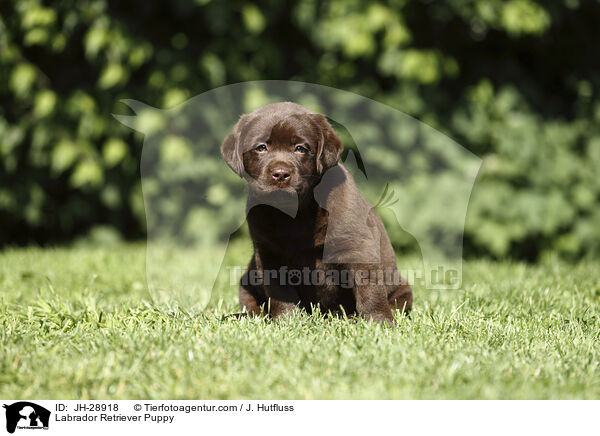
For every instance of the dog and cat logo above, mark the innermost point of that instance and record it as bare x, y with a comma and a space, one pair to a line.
26, 415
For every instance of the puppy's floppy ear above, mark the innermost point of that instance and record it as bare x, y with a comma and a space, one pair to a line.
231, 149
330, 145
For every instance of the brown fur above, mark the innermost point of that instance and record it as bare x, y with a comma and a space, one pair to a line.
305, 211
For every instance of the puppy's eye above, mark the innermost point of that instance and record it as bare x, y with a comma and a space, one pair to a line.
301, 149
261, 147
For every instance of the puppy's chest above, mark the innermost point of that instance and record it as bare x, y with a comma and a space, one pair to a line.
294, 242
289, 247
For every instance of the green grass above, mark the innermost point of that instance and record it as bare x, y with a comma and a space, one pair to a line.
79, 323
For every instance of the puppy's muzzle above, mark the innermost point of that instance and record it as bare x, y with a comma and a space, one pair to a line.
279, 174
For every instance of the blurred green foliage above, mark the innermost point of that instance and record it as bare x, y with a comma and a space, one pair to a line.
516, 82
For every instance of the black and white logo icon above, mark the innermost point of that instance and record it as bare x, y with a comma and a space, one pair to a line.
26, 415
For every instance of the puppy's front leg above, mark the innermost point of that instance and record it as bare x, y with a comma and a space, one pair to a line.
281, 300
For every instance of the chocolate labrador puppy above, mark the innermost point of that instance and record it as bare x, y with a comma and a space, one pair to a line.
317, 241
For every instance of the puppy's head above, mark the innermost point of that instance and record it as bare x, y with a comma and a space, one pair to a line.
282, 147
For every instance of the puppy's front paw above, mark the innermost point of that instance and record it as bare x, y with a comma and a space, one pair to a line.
280, 309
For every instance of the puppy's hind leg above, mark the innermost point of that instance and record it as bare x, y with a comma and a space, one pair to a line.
250, 303
401, 298
251, 297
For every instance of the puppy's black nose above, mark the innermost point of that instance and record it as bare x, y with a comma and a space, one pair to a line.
281, 174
